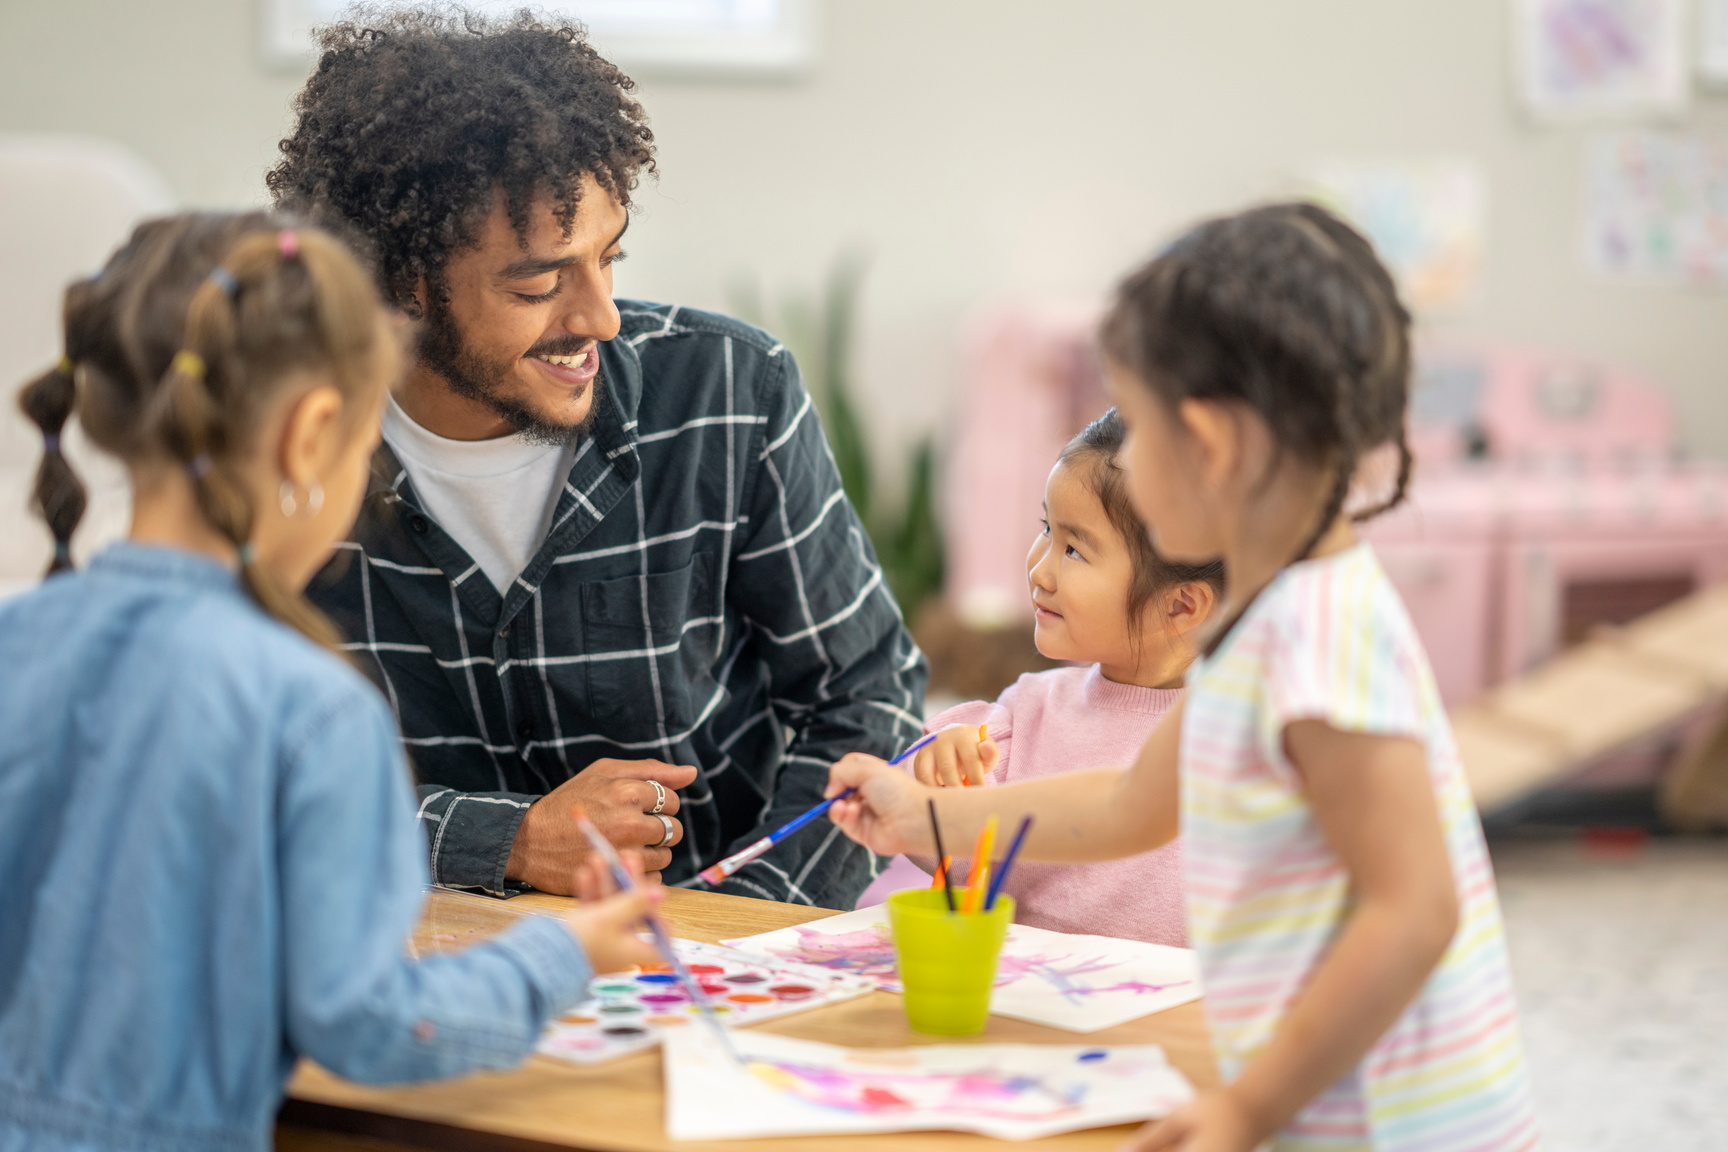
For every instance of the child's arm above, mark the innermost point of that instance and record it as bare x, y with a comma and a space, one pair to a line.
1375, 804
1078, 817
352, 877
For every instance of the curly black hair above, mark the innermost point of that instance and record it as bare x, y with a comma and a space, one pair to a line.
415, 117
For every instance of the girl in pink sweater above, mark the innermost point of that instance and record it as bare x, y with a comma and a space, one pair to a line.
1104, 600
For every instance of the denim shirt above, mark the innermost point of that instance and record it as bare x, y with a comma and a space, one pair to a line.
211, 868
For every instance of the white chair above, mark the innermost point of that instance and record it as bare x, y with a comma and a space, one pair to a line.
66, 202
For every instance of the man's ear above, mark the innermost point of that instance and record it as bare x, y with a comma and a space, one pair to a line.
311, 435
414, 304
1188, 605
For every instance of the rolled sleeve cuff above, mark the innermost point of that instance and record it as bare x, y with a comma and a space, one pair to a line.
470, 837
554, 960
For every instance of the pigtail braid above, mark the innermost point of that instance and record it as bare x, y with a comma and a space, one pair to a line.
58, 494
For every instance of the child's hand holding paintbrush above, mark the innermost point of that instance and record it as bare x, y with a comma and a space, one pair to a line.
608, 922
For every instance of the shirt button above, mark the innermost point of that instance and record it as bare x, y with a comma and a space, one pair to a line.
418, 523
424, 1030
504, 632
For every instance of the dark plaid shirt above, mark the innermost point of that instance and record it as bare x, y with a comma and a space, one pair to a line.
706, 596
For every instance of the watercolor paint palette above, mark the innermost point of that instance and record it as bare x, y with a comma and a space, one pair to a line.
631, 1011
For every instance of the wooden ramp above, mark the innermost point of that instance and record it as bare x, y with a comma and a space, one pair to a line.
1624, 685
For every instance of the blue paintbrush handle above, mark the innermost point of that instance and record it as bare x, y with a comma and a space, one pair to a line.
1007, 862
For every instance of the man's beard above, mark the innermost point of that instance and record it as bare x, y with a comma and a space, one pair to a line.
443, 350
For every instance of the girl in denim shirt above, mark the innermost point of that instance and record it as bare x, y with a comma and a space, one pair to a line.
207, 834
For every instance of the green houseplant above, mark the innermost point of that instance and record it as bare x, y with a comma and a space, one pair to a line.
819, 327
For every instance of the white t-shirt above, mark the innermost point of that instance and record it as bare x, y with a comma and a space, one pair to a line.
494, 497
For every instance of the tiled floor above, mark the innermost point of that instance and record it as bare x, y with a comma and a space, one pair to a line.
1621, 961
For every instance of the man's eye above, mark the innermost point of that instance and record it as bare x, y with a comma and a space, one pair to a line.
616, 257
541, 298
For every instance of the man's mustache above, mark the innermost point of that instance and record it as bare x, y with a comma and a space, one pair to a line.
560, 346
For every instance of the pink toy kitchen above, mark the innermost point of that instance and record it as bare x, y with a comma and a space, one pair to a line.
1550, 501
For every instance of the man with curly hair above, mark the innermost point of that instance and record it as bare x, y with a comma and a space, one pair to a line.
606, 559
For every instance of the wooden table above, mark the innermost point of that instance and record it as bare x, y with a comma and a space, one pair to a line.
620, 1106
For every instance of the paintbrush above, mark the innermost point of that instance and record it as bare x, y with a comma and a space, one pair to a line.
1001, 875
718, 872
947, 861
662, 941
715, 873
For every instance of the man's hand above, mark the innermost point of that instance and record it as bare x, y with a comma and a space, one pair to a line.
958, 756
618, 796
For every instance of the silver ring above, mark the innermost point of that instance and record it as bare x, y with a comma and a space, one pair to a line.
671, 827
659, 798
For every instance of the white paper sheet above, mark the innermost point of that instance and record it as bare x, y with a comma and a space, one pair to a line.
789, 1087
1077, 983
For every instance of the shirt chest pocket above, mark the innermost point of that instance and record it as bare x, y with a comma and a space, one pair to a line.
650, 643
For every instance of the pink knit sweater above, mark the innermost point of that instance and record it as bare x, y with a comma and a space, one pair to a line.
1067, 720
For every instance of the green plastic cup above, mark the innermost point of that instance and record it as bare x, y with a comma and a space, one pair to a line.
947, 960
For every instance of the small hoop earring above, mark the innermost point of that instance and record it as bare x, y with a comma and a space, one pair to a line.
289, 504
314, 498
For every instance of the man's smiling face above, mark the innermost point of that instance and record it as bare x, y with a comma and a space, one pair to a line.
516, 349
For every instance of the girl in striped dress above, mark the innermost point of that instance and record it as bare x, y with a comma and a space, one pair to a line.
1339, 892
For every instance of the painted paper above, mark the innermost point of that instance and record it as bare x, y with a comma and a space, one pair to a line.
1427, 219
787, 1087
1657, 207
1077, 983
1601, 57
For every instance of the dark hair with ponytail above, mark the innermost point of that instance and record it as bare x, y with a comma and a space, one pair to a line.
1286, 309
1094, 452
176, 351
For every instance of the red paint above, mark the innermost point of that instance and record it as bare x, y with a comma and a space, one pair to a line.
706, 969
793, 991
882, 1098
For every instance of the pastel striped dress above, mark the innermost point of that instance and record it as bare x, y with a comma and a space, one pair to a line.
1330, 640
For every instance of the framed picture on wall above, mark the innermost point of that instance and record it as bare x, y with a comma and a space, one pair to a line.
744, 39
1590, 59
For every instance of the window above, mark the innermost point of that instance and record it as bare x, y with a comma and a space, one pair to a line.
690, 38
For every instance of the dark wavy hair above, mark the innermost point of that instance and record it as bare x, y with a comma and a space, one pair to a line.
416, 118
1286, 309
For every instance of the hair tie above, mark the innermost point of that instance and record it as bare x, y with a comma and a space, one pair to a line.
247, 554
50, 441
288, 243
225, 280
190, 363
199, 466
65, 366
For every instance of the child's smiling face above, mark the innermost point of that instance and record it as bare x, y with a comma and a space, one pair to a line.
1079, 570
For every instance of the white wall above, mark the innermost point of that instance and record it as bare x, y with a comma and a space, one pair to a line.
977, 147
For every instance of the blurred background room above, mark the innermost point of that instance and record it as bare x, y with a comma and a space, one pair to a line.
929, 203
